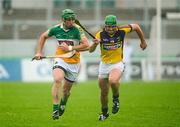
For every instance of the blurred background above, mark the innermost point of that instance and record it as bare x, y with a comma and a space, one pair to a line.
22, 22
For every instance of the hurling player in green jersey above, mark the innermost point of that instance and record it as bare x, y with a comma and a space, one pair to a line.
111, 40
69, 37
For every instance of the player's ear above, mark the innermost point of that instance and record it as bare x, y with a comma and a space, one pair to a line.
62, 19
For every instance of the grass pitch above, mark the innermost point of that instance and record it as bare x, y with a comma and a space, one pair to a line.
143, 104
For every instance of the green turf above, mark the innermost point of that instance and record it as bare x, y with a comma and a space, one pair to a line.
143, 104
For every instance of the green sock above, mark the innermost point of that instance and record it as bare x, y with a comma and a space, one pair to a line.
63, 102
55, 107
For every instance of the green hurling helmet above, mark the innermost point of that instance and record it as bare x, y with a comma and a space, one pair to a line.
68, 13
110, 20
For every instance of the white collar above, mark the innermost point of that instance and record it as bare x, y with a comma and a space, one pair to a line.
61, 25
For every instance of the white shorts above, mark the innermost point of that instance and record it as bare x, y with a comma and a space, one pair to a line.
104, 69
71, 70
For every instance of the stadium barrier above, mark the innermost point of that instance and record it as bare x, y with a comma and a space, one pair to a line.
41, 71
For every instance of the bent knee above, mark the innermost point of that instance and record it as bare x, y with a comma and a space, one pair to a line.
113, 81
57, 80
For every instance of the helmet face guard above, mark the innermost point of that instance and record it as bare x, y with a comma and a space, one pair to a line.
69, 18
110, 29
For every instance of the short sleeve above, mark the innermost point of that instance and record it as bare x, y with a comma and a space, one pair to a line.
98, 35
82, 34
51, 32
127, 30
81, 31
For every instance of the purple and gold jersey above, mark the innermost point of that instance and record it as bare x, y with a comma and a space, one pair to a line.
71, 37
112, 46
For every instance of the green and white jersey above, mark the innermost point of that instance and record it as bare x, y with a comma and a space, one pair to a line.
72, 37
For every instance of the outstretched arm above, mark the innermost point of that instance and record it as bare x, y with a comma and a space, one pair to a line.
40, 45
136, 27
